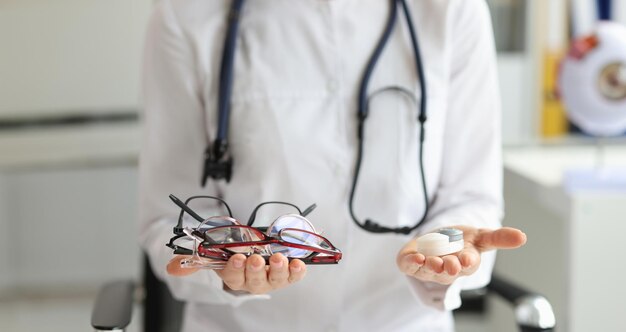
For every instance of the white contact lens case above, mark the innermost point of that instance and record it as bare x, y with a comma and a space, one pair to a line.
445, 241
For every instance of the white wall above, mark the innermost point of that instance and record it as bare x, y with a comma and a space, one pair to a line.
70, 55
517, 110
585, 14
6, 272
70, 229
620, 10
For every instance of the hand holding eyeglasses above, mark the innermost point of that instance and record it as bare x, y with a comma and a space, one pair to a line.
446, 269
250, 274
253, 259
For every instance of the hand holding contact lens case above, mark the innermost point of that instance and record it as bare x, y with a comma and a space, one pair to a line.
442, 242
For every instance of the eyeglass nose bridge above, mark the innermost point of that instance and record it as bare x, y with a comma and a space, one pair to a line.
263, 250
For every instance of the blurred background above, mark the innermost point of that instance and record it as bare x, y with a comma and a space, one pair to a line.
69, 140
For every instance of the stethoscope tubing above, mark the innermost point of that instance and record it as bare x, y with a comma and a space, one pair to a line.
220, 146
363, 111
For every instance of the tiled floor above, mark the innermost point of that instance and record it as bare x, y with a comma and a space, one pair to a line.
49, 314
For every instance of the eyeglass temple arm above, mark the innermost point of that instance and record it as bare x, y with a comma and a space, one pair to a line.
186, 209
191, 212
178, 250
253, 215
304, 240
230, 212
300, 238
308, 210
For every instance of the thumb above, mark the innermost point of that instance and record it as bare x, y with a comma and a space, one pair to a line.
503, 238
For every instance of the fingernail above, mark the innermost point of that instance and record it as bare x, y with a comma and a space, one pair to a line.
277, 263
256, 266
238, 263
296, 269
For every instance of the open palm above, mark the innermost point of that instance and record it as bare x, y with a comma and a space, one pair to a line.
446, 269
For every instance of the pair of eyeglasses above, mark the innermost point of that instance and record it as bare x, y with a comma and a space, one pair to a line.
216, 239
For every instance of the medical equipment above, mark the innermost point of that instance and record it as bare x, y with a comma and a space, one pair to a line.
593, 81
593, 88
444, 241
219, 165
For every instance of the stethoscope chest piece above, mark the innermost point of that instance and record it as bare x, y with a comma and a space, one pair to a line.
217, 164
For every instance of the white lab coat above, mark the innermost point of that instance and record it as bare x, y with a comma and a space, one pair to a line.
292, 137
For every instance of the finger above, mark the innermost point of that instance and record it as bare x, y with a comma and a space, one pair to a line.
503, 238
256, 275
410, 263
297, 271
174, 267
451, 265
469, 259
233, 273
279, 271
434, 263
409, 248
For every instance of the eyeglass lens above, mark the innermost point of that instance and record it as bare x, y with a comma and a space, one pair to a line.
289, 221
234, 235
305, 238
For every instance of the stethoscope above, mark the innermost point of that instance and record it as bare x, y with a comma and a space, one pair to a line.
218, 164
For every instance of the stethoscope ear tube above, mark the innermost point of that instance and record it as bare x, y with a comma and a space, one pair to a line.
369, 69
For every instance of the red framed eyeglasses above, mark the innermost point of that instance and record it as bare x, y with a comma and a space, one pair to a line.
294, 243
218, 238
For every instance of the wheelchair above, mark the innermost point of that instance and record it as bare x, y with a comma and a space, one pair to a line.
112, 310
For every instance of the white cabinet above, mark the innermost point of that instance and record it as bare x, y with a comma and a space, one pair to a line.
72, 227
574, 253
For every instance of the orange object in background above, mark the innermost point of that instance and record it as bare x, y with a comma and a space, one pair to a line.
581, 47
